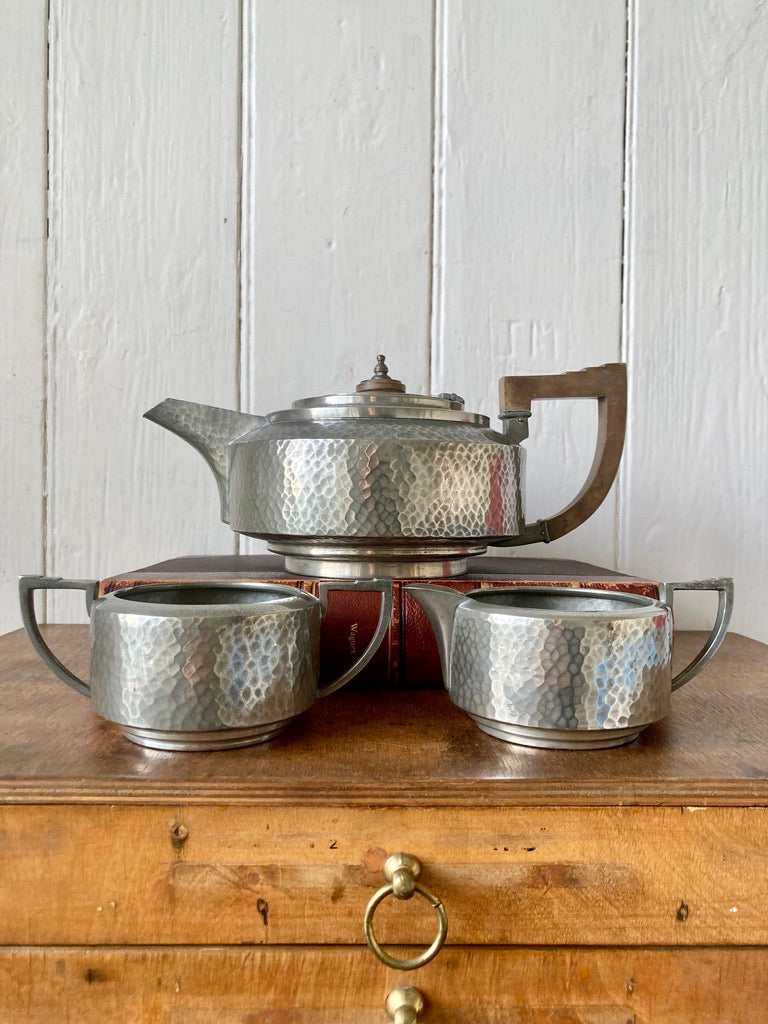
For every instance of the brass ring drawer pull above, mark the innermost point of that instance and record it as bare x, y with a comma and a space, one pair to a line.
404, 1005
401, 871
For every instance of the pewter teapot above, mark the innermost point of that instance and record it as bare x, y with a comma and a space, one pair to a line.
384, 483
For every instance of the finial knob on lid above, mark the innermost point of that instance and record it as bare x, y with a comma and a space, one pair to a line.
380, 381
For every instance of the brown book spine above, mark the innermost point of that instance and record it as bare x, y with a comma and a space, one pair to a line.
408, 656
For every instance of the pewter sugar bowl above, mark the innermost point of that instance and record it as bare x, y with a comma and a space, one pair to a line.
202, 666
382, 483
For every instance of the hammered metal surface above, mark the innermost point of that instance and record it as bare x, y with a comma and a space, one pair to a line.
209, 430
203, 672
409, 485
560, 672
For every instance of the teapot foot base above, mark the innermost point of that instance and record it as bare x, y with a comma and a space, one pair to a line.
192, 740
558, 739
377, 560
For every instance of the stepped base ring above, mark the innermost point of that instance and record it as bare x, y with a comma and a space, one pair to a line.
384, 560
557, 739
218, 739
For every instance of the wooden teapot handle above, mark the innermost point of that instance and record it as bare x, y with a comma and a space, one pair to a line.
607, 384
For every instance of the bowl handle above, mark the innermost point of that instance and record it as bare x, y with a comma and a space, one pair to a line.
724, 589
608, 384
384, 587
27, 587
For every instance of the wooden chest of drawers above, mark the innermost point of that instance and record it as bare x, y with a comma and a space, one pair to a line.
601, 887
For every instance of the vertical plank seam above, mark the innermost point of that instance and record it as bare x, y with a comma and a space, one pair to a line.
43, 339
438, 212
247, 202
627, 263
242, 15
246, 297
52, 215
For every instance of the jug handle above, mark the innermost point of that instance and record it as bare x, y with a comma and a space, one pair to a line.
383, 587
607, 384
27, 587
724, 589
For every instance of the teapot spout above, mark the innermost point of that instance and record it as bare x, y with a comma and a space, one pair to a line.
209, 430
440, 604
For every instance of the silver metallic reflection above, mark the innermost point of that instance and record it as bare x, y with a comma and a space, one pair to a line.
398, 480
560, 667
203, 666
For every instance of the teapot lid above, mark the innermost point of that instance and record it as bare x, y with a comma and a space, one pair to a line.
380, 381
381, 395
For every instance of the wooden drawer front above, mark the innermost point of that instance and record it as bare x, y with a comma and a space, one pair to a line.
335, 986
91, 875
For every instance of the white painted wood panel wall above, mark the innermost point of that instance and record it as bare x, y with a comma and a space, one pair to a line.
473, 188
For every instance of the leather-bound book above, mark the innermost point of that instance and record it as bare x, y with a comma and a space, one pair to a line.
408, 657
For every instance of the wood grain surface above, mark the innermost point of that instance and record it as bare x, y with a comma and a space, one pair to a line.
106, 875
387, 749
193, 889
304, 986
